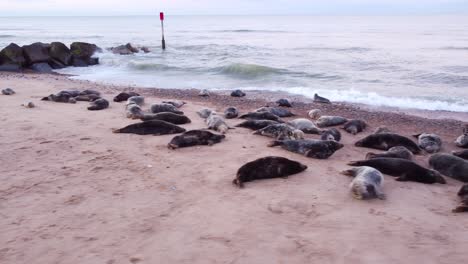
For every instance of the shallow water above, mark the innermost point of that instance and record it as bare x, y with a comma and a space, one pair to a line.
407, 62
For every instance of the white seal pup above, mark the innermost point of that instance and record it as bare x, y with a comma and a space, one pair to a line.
367, 183
175, 103
217, 123
326, 121
431, 143
205, 112
277, 131
28, 105
305, 125
315, 114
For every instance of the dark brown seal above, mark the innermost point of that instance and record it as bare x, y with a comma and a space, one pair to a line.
168, 117
449, 165
194, 138
385, 141
463, 194
152, 127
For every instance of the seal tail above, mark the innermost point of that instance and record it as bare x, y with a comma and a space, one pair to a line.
356, 163
349, 173
238, 183
275, 143
370, 155
116, 130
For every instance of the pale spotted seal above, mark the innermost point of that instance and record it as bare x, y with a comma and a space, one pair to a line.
217, 123
159, 108
305, 125
277, 131
152, 127
367, 183
175, 103
194, 138
134, 111
319, 149
315, 114
138, 99
449, 165
462, 141
326, 121
431, 143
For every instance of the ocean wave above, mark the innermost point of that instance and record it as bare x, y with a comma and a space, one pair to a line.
147, 66
7, 36
454, 48
337, 49
247, 71
249, 31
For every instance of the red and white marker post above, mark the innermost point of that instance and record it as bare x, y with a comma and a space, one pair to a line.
161, 17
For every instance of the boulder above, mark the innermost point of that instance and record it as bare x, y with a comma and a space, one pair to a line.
145, 49
126, 49
60, 53
12, 56
41, 67
10, 67
55, 64
82, 50
36, 52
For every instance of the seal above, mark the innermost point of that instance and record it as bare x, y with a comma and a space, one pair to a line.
175, 103
463, 194
267, 168
28, 105
382, 129
121, 97
204, 93
431, 143
394, 152
152, 127
134, 111
385, 141
138, 99
305, 125
159, 108
319, 149
449, 165
355, 126
314, 114
168, 117
72, 100
88, 92
261, 116
60, 97
367, 183
322, 100
461, 154
237, 93
277, 131
205, 112
98, 104
194, 138
8, 91
405, 170
331, 134
217, 123
256, 124
327, 121
231, 112
283, 102
462, 141
277, 111
87, 97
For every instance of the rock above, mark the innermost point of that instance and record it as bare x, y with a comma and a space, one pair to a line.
82, 52
126, 49
145, 49
36, 53
8, 91
55, 64
41, 67
11, 57
10, 67
60, 53
237, 93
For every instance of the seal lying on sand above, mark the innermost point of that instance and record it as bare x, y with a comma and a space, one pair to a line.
355, 126
463, 194
175, 103
121, 97
205, 112
449, 165
194, 138
382, 129
256, 124
267, 168
406, 170
88, 92
462, 141
367, 183
331, 134
461, 154
8, 91
168, 117
204, 93
217, 123
394, 152
305, 125
159, 108
87, 97
139, 100
134, 111
98, 104
319, 149
261, 116
385, 141
60, 97
315, 114
431, 143
283, 102
237, 93
277, 131
277, 111
231, 112
152, 127
322, 100
326, 121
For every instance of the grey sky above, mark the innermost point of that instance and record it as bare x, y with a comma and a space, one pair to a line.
232, 7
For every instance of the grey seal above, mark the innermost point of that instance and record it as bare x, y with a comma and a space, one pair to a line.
168, 117
355, 126
176, 103
152, 127
461, 154
320, 99
319, 149
394, 152
205, 112
331, 134
195, 137
449, 165
326, 121
462, 141
138, 99
231, 112
256, 124
267, 168
431, 143
217, 123
98, 104
8, 91
283, 102
277, 131
134, 111
122, 97
463, 194
385, 141
304, 125
261, 116
367, 183
315, 114
277, 111
237, 93
204, 93
159, 108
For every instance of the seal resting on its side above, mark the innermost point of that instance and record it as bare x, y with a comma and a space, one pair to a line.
194, 138
385, 141
237, 93
138, 99
277, 131
305, 125
394, 152
355, 126
87, 97
98, 104
152, 127
283, 102
121, 97
431, 143
277, 111
261, 116
463, 194
449, 165
159, 108
256, 124
175, 103
326, 121
461, 154
134, 111
462, 141
205, 112
322, 100
8, 91
319, 149
331, 134
60, 97
267, 168
231, 112
405, 170
217, 123
367, 183
315, 114
168, 117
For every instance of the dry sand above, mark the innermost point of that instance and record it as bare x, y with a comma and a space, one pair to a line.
73, 192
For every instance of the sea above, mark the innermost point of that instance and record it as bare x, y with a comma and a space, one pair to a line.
408, 62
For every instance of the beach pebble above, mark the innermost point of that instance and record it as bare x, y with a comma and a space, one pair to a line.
315, 114
28, 105
284, 102
204, 93
8, 91
237, 93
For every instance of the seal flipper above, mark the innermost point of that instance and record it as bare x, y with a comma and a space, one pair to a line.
275, 143
349, 173
460, 208
402, 178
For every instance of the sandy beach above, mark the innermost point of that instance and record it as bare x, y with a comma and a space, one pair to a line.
71, 191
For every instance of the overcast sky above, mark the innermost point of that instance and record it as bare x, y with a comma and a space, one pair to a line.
231, 7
